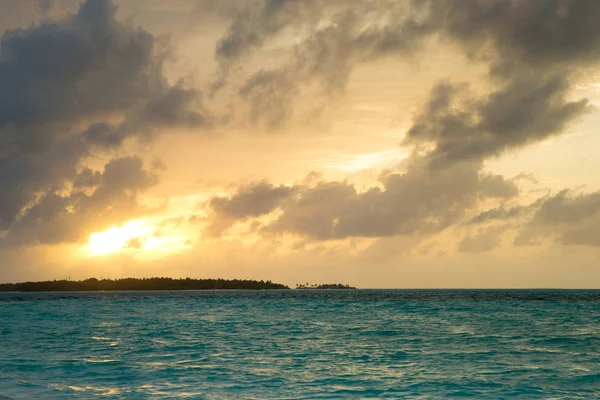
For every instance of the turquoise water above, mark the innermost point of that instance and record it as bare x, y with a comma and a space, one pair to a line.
300, 344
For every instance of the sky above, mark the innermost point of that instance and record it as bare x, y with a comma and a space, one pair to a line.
376, 143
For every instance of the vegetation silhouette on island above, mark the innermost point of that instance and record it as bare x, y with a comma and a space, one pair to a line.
323, 286
126, 284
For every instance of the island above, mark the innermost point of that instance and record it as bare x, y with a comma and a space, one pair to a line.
323, 286
126, 284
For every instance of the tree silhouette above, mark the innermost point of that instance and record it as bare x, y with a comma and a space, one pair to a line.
93, 284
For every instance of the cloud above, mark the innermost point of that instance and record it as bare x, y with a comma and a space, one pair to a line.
22, 13
69, 89
176, 107
86, 84
497, 214
250, 201
333, 29
253, 23
485, 239
270, 95
534, 50
24, 177
417, 201
570, 219
253, 200
87, 68
541, 34
526, 110
332, 38
83, 67
97, 199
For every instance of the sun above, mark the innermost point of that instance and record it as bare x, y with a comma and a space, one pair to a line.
118, 238
143, 237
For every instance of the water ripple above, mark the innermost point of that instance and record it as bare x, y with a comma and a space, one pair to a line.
300, 345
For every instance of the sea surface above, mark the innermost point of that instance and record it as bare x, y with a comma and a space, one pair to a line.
361, 344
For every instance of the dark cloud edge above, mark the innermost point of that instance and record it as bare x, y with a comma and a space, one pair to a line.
63, 84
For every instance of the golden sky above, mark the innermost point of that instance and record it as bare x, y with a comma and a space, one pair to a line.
378, 143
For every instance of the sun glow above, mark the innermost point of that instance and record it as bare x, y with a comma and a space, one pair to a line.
364, 161
117, 238
135, 236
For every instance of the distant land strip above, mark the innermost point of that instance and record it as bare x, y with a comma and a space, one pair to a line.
327, 286
93, 284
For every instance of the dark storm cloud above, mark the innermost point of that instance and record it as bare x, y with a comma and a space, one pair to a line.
63, 84
417, 201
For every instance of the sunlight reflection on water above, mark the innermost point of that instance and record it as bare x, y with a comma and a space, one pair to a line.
300, 345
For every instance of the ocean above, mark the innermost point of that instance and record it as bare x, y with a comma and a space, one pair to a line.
301, 344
